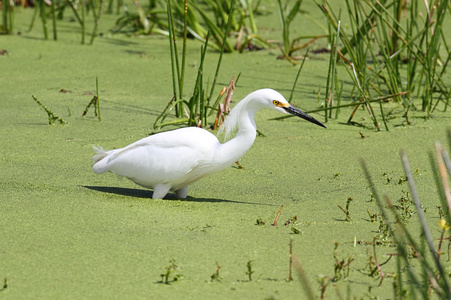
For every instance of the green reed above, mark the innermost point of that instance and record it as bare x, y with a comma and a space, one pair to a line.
198, 106
381, 43
7, 17
286, 16
431, 275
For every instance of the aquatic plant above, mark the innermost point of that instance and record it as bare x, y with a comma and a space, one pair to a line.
250, 270
379, 45
215, 276
277, 216
95, 101
7, 17
80, 10
290, 272
198, 106
432, 276
171, 273
51, 115
346, 211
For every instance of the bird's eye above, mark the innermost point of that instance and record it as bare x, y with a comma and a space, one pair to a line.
276, 103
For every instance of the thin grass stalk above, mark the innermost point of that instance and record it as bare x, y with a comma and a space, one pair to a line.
402, 251
390, 60
329, 15
398, 279
5, 15
218, 33
338, 92
74, 10
96, 18
365, 96
251, 16
283, 23
412, 24
447, 163
35, 13
83, 28
98, 99
383, 116
332, 70
448, 135
43, 15
447, 50
433, 49
53, 5
440, 153
169, 107
185, 27
174, 61
297, 77
426, 231
397, 10
431, 60
197, 104
11, 17
303, 278
229, 21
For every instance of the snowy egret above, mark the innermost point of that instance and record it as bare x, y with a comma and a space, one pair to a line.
172, 160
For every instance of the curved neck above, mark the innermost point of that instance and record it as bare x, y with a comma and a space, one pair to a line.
234, 149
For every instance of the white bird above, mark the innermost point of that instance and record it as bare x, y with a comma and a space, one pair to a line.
172, 160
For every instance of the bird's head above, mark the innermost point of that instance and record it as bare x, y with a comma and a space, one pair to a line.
274, 100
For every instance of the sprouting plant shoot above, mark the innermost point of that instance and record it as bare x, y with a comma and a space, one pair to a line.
95, 101
260, 222
341, 266
5, 284
346, 211
51, 115
249, 271
171, 273
215, 276
277, 216
290, 273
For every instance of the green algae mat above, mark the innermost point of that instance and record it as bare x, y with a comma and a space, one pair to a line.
66, 232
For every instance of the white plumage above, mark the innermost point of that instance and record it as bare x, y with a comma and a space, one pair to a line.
172, 160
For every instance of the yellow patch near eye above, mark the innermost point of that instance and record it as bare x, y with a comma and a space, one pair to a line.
280, 104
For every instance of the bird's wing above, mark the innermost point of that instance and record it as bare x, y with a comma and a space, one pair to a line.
162, 158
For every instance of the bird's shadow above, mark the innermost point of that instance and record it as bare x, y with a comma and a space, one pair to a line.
147, 194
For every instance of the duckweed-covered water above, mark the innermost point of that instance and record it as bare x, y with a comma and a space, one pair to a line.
66, 232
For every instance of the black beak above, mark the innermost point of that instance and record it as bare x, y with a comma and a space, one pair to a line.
296, 112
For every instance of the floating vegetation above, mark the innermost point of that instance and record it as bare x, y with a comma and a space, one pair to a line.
433, 276
346, 211
95, 101
172, 273
215, 276
53, 118
277, 216
250, 270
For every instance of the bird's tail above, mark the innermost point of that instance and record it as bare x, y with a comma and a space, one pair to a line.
100, 165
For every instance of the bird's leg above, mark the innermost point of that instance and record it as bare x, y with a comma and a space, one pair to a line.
181, 193
160, 190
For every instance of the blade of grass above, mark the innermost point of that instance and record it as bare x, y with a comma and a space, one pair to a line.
441, 153
231, 10
400, 246
174, 61
52, 5
297, 77
422, 218
98, 98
